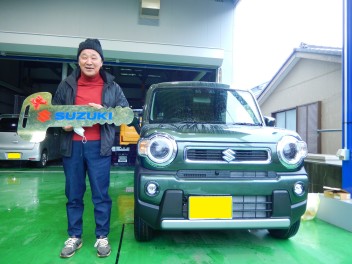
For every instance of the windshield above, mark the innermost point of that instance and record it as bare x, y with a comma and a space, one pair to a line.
204, 105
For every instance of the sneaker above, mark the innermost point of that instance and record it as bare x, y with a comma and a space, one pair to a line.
103, 247
71, 245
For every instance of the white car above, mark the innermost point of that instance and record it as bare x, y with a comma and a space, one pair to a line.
13, 147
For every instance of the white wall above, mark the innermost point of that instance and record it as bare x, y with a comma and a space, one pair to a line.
189, 32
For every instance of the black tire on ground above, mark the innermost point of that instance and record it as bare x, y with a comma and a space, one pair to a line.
43, 160
285, 233
142, 232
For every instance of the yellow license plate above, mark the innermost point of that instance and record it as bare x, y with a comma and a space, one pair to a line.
13, 155
210, 207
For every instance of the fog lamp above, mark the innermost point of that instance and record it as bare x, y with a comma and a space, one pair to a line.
152, 188
298, 188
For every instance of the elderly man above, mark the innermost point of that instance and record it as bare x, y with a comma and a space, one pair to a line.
87, 151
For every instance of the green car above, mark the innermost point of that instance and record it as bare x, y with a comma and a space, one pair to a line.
208, 159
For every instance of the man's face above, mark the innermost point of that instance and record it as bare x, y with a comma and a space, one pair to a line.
90, 62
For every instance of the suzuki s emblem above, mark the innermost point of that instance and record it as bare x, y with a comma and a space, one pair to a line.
229, 155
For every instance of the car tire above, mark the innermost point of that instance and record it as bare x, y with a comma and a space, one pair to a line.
43, 160
285, 233
142, 231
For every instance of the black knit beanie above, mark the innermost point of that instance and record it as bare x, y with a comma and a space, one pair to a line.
93, 44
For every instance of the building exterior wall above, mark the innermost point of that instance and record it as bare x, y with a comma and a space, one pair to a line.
308, 82
198, 32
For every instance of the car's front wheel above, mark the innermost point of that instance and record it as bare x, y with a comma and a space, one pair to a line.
285, 233
142, 231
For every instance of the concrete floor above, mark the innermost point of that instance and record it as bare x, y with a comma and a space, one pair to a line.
33, 229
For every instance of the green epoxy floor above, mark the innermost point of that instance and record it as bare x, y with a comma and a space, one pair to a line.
33, 229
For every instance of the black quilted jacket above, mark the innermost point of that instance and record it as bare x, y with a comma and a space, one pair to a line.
112, 96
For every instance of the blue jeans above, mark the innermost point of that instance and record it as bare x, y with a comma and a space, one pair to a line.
86, 159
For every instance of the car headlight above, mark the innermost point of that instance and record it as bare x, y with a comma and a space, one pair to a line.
160, 149
291, 151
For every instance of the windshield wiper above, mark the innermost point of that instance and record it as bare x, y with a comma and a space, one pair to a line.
192, 122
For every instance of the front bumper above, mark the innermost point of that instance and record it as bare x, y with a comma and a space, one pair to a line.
24, 154
169, 209
224, 224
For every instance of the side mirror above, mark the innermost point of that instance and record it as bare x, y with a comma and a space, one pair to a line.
269, 121
135, 124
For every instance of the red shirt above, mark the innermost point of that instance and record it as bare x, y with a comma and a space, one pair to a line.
89, 90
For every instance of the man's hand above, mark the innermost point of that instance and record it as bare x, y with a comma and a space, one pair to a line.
67, 128
97, 106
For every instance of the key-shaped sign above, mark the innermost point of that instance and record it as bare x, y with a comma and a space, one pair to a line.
38, 114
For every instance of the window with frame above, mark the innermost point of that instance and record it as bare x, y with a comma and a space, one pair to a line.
286, 119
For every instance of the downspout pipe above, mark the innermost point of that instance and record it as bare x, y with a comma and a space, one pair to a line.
347, 97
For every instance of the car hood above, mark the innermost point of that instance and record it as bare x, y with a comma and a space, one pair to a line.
219, 133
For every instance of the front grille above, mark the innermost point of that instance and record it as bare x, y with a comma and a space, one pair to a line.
244, 207
218, 155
